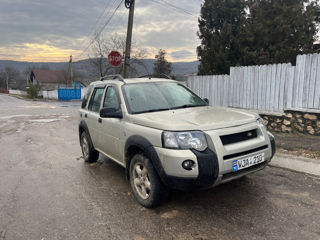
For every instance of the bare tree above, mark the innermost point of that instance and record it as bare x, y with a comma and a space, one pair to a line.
13, 77
101, 49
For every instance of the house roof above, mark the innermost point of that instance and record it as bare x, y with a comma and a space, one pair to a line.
50, 76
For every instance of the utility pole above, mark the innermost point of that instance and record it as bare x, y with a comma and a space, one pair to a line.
7, 80
129, 4
70, 72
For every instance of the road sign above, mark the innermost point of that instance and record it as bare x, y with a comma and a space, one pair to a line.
115, 58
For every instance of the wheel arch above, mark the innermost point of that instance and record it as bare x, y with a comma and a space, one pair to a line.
138, 144
83, 127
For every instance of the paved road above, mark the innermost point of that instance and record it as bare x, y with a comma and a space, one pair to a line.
47, 192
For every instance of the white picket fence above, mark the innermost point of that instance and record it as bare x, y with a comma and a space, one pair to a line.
267, 88
215, 88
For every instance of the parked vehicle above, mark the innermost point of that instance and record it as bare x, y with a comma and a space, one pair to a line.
167, 137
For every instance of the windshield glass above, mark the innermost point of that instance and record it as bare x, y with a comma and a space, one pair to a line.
152, 97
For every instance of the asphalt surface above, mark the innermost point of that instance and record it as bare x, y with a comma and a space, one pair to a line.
48, 192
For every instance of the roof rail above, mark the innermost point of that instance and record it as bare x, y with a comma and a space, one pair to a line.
112, 77
161, 75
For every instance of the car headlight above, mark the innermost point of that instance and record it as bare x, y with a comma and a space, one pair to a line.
260, 121
185, 140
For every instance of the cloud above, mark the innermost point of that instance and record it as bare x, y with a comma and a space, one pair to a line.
34, 29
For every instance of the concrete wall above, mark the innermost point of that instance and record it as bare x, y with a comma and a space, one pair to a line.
49, 94
17, 92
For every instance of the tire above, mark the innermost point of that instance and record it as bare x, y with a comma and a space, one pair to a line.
144, 176
89, 154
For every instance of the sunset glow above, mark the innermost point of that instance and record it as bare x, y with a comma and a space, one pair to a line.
32, 52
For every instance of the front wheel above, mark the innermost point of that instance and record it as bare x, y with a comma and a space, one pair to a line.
145, 182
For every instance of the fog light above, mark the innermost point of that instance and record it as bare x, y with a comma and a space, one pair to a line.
188, 165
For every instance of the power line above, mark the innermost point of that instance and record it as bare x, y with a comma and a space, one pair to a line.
102, 13
101, 30
178, 8
167, 4
94, 28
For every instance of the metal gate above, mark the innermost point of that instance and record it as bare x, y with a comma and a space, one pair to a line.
67, 94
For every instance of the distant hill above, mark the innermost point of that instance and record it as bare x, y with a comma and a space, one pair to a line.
83, 66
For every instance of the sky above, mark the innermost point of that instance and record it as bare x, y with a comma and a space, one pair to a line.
50, 31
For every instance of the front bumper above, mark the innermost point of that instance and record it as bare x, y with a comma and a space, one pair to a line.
203, 175
213, 167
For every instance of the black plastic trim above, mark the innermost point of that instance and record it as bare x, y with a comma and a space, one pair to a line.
84, 125
147, 148
273, 145
245, 152
208, 167
239, 137
207, 164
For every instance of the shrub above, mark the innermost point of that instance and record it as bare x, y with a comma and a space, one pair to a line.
32, 91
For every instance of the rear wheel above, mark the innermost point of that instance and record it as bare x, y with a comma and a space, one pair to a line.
89, 153
145, 182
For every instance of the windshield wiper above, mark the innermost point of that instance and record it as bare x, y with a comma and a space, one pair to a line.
154, 110
188, 106
167, 109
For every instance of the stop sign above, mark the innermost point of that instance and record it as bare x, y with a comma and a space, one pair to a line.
115, 58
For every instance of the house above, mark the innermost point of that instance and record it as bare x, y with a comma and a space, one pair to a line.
48, 79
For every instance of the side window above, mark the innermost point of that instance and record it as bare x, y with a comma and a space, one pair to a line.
96, 100
111, 99
86, 97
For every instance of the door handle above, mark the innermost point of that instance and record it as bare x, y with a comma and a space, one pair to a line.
100, 120
85, 115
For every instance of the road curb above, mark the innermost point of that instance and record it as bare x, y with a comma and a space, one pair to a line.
297, 164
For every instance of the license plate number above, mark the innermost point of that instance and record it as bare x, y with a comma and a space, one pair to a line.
247, 162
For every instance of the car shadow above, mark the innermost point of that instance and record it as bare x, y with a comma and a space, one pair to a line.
238, 193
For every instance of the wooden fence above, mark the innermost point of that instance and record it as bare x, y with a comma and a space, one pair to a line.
267, 88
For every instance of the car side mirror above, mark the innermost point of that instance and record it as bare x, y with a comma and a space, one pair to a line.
110, 113
206, 100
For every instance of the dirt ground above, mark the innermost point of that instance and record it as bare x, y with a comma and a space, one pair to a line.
298, 144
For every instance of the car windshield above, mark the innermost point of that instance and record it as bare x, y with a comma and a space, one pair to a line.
159, 96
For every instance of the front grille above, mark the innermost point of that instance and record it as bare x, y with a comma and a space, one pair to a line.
245, 152
243, 171
238, 137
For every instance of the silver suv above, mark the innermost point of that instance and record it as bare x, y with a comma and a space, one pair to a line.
166, 137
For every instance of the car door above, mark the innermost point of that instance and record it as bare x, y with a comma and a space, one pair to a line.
111, 128
92, 118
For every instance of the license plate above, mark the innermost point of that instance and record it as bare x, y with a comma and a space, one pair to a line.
247, 162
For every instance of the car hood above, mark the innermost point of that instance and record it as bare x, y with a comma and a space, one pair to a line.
199, 118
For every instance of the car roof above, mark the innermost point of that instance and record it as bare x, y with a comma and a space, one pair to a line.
131, 81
